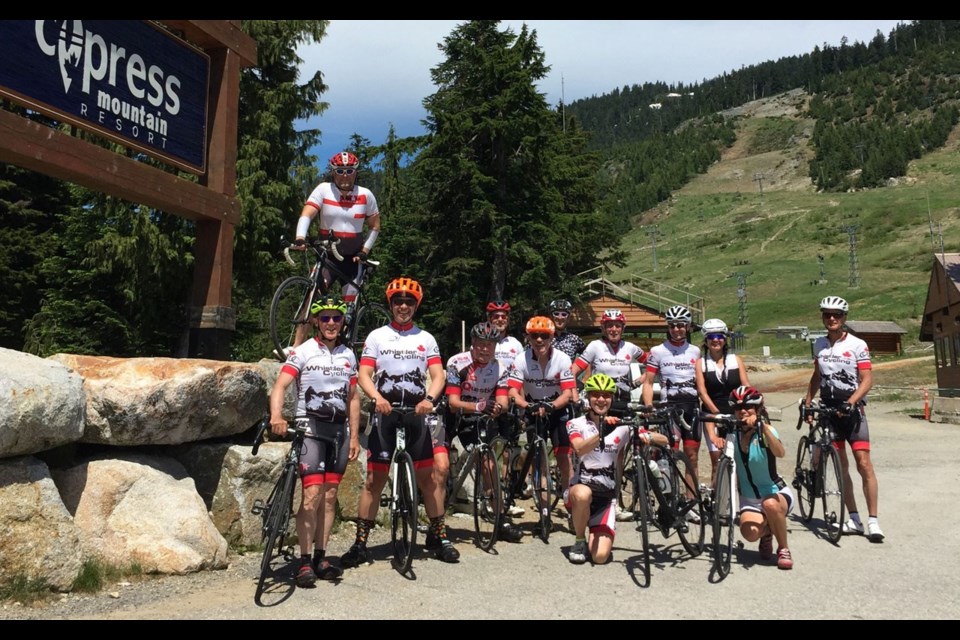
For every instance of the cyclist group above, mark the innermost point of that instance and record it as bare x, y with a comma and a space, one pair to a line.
401, 365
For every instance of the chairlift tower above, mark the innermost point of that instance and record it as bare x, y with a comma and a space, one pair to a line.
653, 232
854, 282
742, 298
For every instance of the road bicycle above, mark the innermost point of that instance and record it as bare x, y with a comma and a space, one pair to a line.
535, 456
290, 308
480, 471
818, 472
275, 513
659, 484
724, 500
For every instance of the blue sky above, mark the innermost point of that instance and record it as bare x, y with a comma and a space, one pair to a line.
378, 71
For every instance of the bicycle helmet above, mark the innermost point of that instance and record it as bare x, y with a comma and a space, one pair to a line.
746, 395
404, 285
714, 325
678, 313
560, 305
540, 324
834, 303
498, 305
328, 303
599, 382
485, 331
344, 160
613, 315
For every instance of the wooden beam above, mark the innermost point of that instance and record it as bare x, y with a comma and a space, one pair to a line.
45, 150
214, 34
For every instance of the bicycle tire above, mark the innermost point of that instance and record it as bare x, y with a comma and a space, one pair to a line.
627, 496
487, 502
724, 519
276, 519
694, 533
289, 309
641, 511
805, 479
403, 519
664, 503
370, 316
831, 487
542, 488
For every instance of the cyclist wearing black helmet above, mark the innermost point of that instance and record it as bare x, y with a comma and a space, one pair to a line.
570, 343
674, 363
476, 388
842, 375
325, 373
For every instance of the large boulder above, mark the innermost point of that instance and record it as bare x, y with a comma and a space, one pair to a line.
41, 404
144, 401
136, 509
39, 540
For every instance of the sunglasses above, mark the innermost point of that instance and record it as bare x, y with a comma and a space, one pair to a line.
398, 301
743, 407
677, 325
613, 325
499, 316
560, 314
345, 172
716, 336
540, 336
336, 318
832, 314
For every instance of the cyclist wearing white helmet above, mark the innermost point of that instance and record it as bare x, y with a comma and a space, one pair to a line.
718, 372
674, 363
842, 374
344, 209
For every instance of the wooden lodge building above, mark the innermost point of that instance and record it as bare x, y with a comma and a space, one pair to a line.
941, 321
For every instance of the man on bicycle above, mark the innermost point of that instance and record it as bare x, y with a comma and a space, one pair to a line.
344, 209
477, 391
508, 347
842, 373
325, 373
674, 362
542, 376
403, 356
598, 440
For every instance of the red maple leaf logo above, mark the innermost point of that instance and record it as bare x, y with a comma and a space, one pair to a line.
628, 356
846, 354
346, 365
421, 348
616, 440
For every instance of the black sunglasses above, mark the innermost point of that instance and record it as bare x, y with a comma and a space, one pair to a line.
336, 318
397, 301
832, 314
540, 336
743, 407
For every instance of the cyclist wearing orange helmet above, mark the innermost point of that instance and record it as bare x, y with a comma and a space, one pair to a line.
541, 375
344, 208
405, 359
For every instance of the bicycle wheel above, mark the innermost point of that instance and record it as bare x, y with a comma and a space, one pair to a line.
627, 496
403, 519
289, 310
724, 519
640, 506
487, 502
276, 518
831, 485
804, 479
690, 519
370, 316
544, 488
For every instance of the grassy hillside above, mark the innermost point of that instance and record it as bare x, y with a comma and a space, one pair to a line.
720, 224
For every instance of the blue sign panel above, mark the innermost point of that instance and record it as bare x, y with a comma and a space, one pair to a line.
126, 79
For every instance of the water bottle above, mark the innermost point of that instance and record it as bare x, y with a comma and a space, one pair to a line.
664, 474
659, 477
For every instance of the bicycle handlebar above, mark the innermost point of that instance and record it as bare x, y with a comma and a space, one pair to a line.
818, 410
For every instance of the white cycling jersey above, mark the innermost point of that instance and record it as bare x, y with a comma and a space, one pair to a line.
323, 378
475, 383
344, 214
541, 383
614, 361
598, 467
400, 357
508, 348
675, 365
839, 364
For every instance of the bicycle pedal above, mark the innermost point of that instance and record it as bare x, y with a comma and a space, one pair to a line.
384, 501
258, 507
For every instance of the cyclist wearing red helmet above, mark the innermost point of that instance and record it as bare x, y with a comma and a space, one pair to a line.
508, 347
612, 355
344, 208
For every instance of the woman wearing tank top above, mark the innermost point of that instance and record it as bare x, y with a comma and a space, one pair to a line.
717, 373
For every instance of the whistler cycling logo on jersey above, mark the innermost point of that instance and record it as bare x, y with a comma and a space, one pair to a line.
127, 79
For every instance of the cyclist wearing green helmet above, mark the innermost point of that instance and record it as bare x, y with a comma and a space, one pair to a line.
328, 403
597, 439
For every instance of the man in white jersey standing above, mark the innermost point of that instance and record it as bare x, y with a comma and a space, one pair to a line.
327, 400
842, 374
674, 363
403, 356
